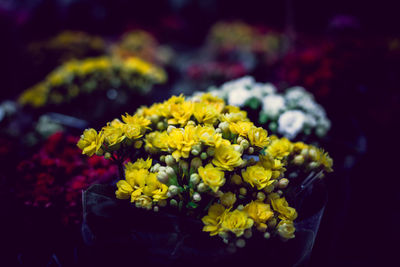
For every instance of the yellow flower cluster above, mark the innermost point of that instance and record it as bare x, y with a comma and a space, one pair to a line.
84, 76
206, 156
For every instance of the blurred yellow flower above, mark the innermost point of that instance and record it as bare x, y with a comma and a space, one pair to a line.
258, 137
286, 229
241, 127
90, 141
257, 176
259, 212
228, 199
227, 158
236, 221
212, 221
206, 114
279, 148
181, 113
156, 141
282, 207
211, 176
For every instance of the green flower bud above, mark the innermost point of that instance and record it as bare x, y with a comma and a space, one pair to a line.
314, 165
210, 151
156, 209
162, 203
243, 191
271, 223
248, 233
267, 235
195, 178
268, 189
203, 155
224, 126
160, 126
169, 160
240, 207
107, 155
298, 160
162, 158
138, 144
239, 140
191, 123
283, 183
163, 177
201, 187
195, 163
196, 197
245, 144
183, 164
195, 152
240, 243
260, 196
251, 150
173, 203
173, 189
236, 179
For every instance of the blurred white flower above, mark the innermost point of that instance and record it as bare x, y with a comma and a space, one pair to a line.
273, 105
291, 123
238, 96
260, 90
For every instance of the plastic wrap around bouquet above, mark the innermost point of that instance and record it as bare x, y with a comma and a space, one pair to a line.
199, 183
293, 114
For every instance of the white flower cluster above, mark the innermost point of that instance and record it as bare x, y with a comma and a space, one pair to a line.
289, 114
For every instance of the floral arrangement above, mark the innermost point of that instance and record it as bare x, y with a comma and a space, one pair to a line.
78, 77
141, 44
55, 176
66, 46
207, 160
293, 114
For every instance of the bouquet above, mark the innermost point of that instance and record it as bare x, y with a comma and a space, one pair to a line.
293, 114
206, 160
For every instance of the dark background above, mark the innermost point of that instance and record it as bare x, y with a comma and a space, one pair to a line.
361, 223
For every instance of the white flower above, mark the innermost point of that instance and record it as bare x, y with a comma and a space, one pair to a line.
244, 82
238, 96
259, 90
273, 105
291, 123
297, 95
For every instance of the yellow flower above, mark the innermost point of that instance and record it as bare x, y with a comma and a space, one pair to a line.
124, 190
279, 148
208, 136
234, 117
236, 221
282, 207
182, 141
90, 142
137, 120
269, 163
226, 157
181, 113
211, 176
258, 137
212, 221
259, 212
228, 199
206, 114
139, 164
132, 131
286, 229
155, 188
156, 141
257, 176
299, 146
233, 109
241, 127
144, 201
213, 101
113, 135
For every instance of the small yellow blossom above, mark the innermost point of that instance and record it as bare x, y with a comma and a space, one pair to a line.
279, 148
241, 127
257, 176
286, 229
212, 221
258, 137
213, 101
259, 212
211, 176
182, 141
124, 190
282, 207
228, 199
206, 114
139, 164
236, 221
90, 142
181, 113
113, 135
227, 158
156, 141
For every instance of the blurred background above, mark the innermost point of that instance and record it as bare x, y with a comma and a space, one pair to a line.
345, 53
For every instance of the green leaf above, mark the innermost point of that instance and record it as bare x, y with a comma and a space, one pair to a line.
192, 205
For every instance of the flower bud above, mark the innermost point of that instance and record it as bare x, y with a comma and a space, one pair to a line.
251, 150
203, 155
183, 164
267, 235
195, 178
312, 153
161, 126
107, 155
236, 179
224, 126
260, 196
240, 243
210, 151
279, 192
283, 183
218, 130
239, 139
155, 168
223, 235
240, 207
304, 152
243, 191
191, 123
173, 189
162, 177
202, 187
162, 158
314, 165
154, 118
169, 160
196, 197
228, 199
173, 203
156, 209
138, 144
162, 203
170, 128
238, 148
195, 152
298, 160
262, 227
138, 204
195, 163
268, 189
99, 152
248, 233
245, 144
271, 223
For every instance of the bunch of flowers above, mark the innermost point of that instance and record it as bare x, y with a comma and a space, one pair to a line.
55, 176
293, 114
79, 77
207, 160
141, 44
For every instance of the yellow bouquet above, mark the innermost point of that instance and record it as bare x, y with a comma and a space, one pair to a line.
206, 160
